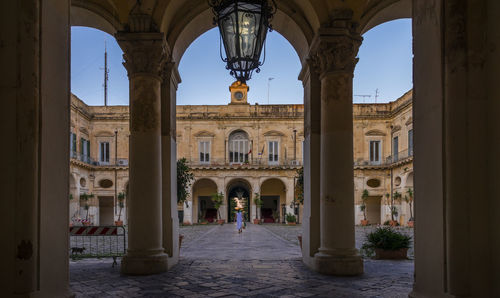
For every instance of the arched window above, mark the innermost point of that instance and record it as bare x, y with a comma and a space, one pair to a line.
238, 147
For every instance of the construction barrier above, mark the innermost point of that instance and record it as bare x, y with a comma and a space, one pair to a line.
97, 242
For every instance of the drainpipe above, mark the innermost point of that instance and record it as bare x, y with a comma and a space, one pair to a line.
294, 145
116, 164
392, 158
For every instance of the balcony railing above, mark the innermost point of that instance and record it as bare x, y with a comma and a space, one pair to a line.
259, 162
119, 162
391, 159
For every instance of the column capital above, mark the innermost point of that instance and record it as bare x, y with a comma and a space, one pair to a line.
143, 52
336, 45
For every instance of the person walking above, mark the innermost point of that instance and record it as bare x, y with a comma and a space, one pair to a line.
239, 220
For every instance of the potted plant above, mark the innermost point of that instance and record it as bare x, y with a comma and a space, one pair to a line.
387, 244
218, 199
121, 204
409, 199
85, 198
258, 204
291, 219
362, 207
276, 216
391, 200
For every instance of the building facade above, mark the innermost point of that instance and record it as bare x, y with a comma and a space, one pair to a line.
241, 150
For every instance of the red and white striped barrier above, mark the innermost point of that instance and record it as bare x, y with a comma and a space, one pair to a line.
93, 231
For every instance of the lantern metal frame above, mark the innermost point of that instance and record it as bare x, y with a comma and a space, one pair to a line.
240, 64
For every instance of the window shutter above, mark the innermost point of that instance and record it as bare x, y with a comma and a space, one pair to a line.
88, 148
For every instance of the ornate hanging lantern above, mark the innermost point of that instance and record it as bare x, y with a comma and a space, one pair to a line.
243, 26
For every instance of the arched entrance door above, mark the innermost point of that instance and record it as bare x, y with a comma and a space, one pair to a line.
241, 190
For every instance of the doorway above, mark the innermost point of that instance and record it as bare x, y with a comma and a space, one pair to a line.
106, 217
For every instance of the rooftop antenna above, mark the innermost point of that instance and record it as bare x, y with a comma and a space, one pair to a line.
106, 75
376, 95
363, 96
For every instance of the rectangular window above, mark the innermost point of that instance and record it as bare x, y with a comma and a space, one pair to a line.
273, 152
375, 152
204, 147
410, 142
104, 152
72, 145
395, 148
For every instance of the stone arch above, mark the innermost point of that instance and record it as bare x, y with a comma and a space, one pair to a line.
385, 11
296, 30
94, 15
202, 206
409, 180
273, 193
232, 188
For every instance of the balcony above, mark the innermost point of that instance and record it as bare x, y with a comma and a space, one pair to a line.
400, 157
255, 163
120, 162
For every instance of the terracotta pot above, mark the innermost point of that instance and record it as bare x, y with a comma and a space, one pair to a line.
119, 223
393, 223
204, 222
221, 221
383, 254
411, 224
256, 221
86, 223
300, 241
180, 240
70, 224
291, 223
364, 222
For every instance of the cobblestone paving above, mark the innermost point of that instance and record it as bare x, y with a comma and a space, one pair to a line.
216, 261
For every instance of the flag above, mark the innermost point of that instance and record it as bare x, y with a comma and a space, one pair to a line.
262, 151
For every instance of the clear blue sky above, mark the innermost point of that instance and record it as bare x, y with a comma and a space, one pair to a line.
385, 64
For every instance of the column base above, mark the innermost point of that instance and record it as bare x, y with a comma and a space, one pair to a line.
348, 265
145, 264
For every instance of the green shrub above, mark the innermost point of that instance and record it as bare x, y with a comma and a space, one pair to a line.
386, 238
290, 217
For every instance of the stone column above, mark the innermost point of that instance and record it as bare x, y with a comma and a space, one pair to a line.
334, 53
312, 128
170, 220
144, 55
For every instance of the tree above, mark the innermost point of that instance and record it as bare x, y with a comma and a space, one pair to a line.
184, 178
121, 198
218, 199
409, 199
362, 207
395, 197
85, 198
299, 186
258, 203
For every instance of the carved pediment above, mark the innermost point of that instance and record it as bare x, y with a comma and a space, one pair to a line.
274, 133
84, 131
409, 121
204, 134
375, 132
104, 134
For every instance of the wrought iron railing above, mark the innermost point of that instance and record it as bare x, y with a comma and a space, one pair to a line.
119, 162
263, 162
389, 160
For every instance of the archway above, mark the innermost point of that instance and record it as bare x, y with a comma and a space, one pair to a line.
274, 205
202, 206
238, 189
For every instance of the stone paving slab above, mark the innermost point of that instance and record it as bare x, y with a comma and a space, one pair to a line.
216, 261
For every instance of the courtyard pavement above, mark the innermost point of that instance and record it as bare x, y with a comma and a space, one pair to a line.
263, 261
